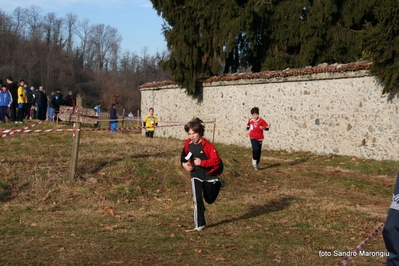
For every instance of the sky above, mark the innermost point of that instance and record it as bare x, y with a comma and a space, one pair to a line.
136, 21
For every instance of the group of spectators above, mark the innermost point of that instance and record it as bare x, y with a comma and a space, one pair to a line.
18, 101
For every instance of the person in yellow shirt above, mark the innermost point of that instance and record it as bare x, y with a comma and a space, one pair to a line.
150, 121
22, 102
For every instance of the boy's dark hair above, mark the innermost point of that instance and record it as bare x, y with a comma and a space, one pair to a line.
196, 125
255, 110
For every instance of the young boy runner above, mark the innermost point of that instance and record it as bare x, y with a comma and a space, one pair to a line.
201, 159
150, 121
255, 127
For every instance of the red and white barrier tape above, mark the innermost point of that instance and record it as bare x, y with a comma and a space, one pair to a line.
12, 129
126, 128
361, 245
130, 128
47, 130
9, 132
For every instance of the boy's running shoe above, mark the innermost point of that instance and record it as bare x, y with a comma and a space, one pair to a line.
199, 228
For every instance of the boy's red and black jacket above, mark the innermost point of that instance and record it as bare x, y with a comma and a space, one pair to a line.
213, 164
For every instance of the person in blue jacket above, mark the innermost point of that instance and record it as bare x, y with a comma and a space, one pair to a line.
5, 102
97, 110
113, 119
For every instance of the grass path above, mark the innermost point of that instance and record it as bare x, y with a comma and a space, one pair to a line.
131, 205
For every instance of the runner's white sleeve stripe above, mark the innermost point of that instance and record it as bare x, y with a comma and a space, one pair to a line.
188, 156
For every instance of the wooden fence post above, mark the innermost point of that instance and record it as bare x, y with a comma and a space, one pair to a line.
123, 117
75, 149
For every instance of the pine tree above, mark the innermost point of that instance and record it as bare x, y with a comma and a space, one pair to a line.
303, 33
184, 35
207, 38
381, 45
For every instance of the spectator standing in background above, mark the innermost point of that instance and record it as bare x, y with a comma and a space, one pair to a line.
22, 101
57, 101
5, 102
45, 103
113, 118
70, 99
130, 116
34, 103
50, 107
29, 96
12, 87
41, 104
97, 110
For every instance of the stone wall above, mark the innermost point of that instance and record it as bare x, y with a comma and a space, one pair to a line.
340, 113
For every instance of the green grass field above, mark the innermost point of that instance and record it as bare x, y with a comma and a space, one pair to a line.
131, 204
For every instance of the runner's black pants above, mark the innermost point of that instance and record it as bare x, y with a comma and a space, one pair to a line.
256, 149
207, 189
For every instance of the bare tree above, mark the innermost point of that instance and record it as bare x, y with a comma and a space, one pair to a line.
33, 20
70, 23
104, 45
5, 22
18, 16
82, 31
52, 27
39, 49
